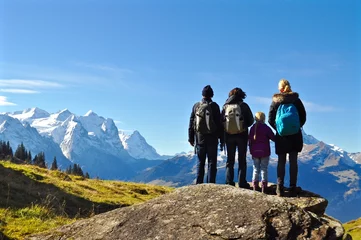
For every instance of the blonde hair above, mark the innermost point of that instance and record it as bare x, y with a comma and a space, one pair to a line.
285, 85
260, 118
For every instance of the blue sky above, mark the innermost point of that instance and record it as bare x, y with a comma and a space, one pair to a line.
144, 63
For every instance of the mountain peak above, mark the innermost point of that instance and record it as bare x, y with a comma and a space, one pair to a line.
91, 113
30, 114
136, 133
36, 110
309, 139
62, 115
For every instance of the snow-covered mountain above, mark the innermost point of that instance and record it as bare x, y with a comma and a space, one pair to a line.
30, 114
356, 157
90, 140
12, 130
137, 146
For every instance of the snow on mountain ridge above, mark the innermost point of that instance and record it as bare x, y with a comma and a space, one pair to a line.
137, 146
30, 114
12, 130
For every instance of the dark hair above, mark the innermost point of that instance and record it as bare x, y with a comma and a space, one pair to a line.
238, 92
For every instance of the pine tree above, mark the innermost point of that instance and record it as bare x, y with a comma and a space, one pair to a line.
29, 157
3, 151
35, 160
26, 155
9, 149
54, 165
80, 171
69, 169
74, 169
20, 153
87, 175
39, 160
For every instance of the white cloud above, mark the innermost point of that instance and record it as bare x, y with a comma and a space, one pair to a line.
25, 83
313, 107
103, 67
66, 77
261, 100
118, 122
4, 102
20, 91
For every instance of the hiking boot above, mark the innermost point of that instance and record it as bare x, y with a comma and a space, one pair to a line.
294, 191
245, 185
231, 183
255, 186
264, 186
279, 190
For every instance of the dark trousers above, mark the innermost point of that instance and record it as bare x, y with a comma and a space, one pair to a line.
281, 168
236, 143
208, 149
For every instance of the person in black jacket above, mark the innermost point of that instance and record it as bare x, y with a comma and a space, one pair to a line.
206, 144
291, 144
237, 141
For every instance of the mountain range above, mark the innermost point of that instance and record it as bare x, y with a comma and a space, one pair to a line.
96, 144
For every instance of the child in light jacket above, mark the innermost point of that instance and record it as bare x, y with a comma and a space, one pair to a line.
260, 149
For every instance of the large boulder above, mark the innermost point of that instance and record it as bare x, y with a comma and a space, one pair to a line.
205, 211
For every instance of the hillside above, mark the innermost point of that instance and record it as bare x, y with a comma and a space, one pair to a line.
34, 199
353, 228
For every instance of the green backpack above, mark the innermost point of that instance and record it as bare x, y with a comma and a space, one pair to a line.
203, 122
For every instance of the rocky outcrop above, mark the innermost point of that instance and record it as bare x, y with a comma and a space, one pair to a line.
209, 211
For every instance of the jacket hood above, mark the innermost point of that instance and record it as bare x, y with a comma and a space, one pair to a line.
234, 99
285, 97
206, 99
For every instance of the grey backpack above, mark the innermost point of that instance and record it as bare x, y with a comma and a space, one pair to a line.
233, 119
203, 122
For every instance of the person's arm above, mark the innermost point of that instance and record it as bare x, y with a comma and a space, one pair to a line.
270, 134
219, 122
191, 127
301, 112
250, 137
272, 115
222, 138
248, 116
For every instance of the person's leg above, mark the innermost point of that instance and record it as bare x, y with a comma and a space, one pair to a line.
281, 173
264, 173
293, 173
231, 153
264, 168
256, 170
242, 162
201, 153
212, 146
293, 168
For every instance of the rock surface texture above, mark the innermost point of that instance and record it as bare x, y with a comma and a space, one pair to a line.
209, 211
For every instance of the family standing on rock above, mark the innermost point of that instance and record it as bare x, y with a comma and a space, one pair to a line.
209, 126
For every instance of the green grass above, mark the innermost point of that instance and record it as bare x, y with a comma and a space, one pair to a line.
34, 199
353, 228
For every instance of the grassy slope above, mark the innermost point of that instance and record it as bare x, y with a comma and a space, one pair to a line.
33, 199
353, 228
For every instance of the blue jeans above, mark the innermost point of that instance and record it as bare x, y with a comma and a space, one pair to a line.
260, 165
